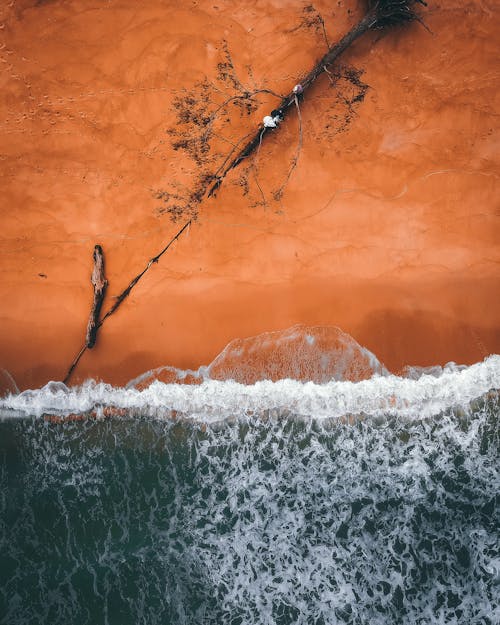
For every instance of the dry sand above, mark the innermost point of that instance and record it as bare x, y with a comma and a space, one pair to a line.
388, 226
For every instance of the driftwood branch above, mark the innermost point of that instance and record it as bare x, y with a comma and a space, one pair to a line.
123, 295
126, 292
100, 284
380, 14
279, 193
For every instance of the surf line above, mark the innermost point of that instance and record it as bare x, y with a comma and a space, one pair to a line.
380, 14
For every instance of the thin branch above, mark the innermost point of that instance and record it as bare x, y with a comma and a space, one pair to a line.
330, 75
225, 140
74, 363
322, 22
279, 193
235, 147
254, 169
124, 294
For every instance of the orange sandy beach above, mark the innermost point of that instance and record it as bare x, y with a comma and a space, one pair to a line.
387, 227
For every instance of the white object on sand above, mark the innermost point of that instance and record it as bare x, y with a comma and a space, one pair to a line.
269, 122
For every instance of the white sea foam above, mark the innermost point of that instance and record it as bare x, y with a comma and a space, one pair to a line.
255, 521
215, 400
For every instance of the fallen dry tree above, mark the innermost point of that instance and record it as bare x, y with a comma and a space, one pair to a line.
380, 14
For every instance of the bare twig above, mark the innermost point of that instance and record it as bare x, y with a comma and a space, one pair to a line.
125, 293
279, 193
323, 27
330, 75
254, 170
100, 284
228, 157
74, 363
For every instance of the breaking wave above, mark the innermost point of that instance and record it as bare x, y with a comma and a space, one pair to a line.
268, 521
214, 400
267, 503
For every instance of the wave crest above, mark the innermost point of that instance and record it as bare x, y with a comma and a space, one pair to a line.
215, 400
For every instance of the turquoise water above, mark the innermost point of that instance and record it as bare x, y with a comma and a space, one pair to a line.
252, 519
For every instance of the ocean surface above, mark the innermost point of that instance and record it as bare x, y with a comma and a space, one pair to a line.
280, 503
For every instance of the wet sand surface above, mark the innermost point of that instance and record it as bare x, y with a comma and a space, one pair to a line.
386, 228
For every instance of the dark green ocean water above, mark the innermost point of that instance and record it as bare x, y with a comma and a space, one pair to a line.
270, 520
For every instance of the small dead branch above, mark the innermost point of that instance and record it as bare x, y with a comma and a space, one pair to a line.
74, 363
279, 193
323, 28
254, 170
124, 294
330, 76
100, 284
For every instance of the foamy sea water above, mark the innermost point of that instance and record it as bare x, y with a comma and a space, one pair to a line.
273, 503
